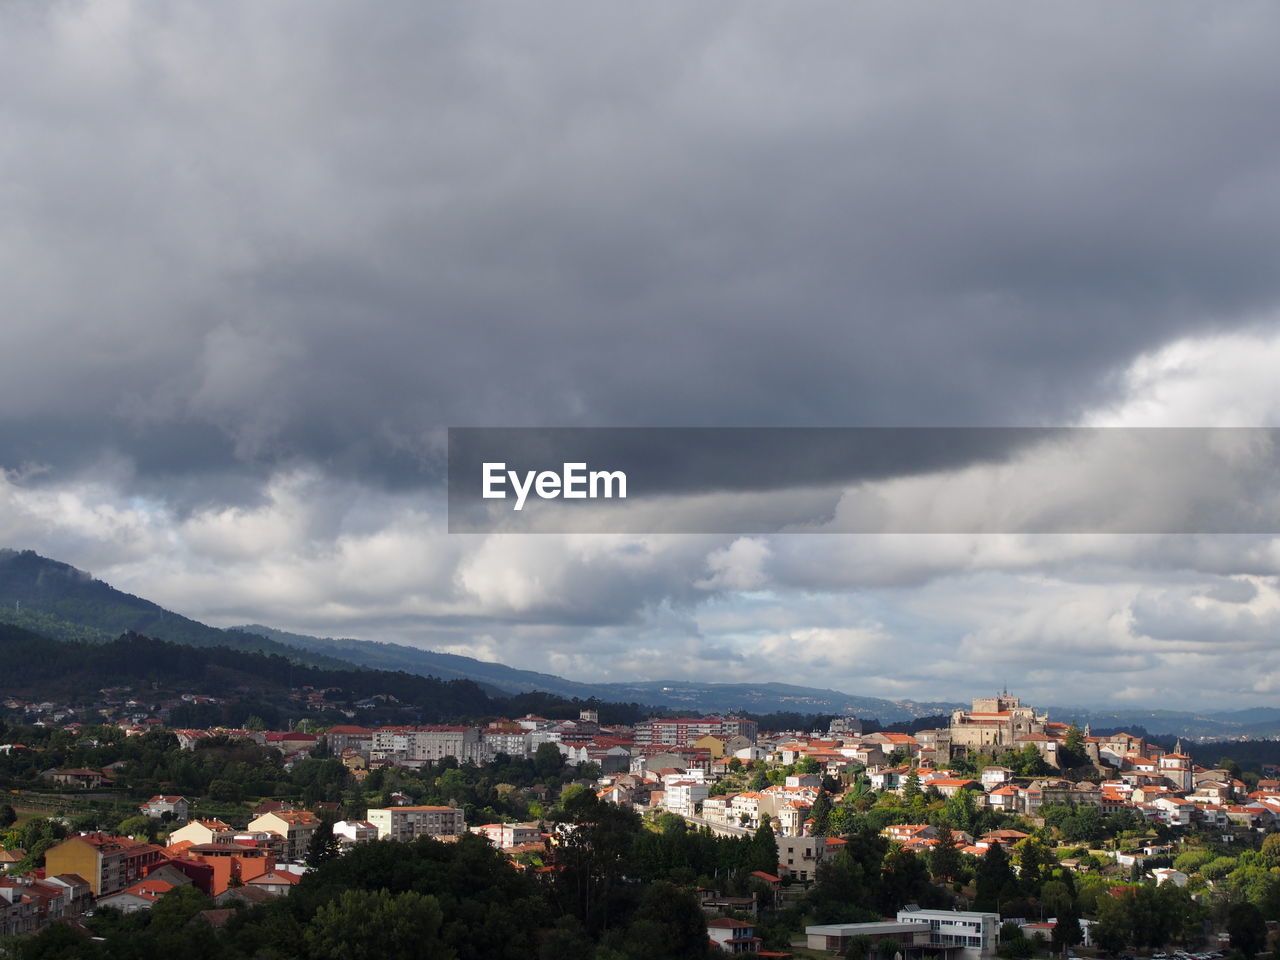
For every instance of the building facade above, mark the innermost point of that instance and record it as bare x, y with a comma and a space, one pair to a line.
408, 823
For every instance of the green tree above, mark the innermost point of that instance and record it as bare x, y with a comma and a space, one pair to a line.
176, 908
991, 877
821, 814
960, 811
1073, 751
1013, 945
1247, 929
593, 857
375, 925
1032, 858
944, 858
1067, 932
566, 940
323, 845
138, 826
667, 923
848, 884
763, 853
888, 948
858, 948
55, 942
911, 787
903, 879
548, 761
1056, 898
1114, 929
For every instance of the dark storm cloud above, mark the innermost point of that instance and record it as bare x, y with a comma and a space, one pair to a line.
245, 235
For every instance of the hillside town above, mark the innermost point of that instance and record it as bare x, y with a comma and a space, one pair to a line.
999, 779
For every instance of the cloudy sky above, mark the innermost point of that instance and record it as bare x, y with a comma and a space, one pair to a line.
258, 256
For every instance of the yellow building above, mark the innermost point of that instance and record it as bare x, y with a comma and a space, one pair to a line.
107, 863
710, 742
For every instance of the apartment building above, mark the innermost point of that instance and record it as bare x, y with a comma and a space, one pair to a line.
409, 823
108, 863
686, 731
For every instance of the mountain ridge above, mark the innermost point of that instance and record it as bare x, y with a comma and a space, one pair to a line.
55, 599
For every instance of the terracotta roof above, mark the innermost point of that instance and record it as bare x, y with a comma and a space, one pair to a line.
275, 877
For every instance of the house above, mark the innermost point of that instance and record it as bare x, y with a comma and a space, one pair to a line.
734, 936
278, 883
774, 883
507, 835
160, 805
294, 827
202, 831
1172, 810
902, 832
950, 786
183, 871
890, 778
715, 903
994, 776
18, 912
84, 779
1005, 799
272, 806
798, 857
138, 896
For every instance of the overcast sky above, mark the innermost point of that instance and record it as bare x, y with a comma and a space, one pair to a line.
258, 256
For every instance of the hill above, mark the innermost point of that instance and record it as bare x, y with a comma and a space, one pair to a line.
77, 672
56, 600
394, 656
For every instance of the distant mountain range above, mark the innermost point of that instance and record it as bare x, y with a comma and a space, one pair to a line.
58, 601
694, 697
1253, 723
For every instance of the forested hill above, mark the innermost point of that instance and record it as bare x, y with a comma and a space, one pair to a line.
56, 600
36, 667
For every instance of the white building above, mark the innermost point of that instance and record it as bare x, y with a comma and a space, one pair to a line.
978, 934
354, 831
684, 797
799, 856
505, 835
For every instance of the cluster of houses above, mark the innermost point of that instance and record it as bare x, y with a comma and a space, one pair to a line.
260, 861
672, 764
1125, 771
